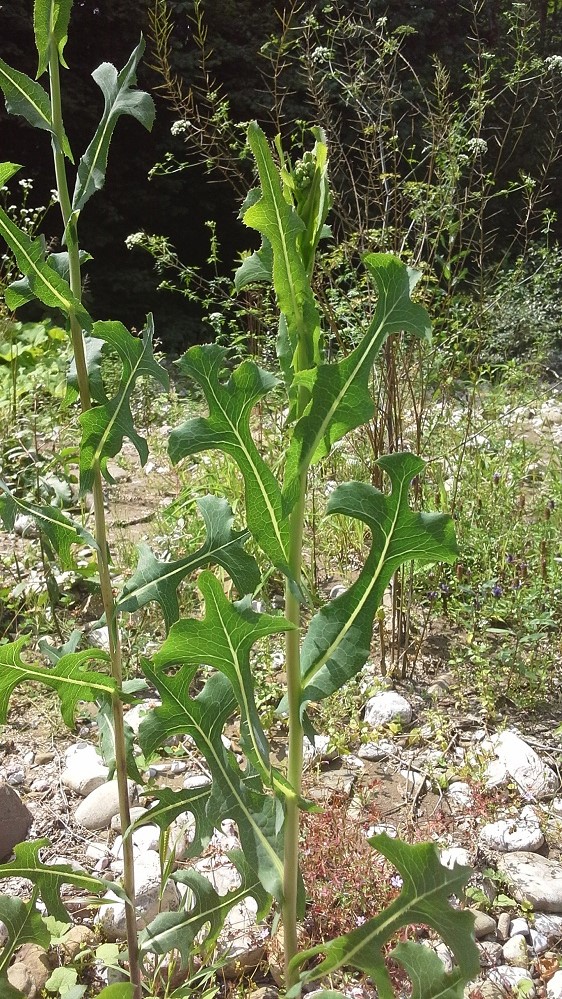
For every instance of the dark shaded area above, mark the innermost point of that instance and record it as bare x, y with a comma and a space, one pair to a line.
122, 284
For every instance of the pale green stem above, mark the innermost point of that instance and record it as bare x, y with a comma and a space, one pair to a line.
100, 524
296, 734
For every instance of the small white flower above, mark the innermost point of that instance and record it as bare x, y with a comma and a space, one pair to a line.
134, 239
180, 127
477, 146
320, 54
553, 63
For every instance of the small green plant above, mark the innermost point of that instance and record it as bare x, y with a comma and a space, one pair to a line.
202, 671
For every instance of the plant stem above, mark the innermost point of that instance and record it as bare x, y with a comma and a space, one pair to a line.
295, 751
100, 522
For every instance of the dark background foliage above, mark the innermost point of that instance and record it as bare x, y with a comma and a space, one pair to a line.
122, 284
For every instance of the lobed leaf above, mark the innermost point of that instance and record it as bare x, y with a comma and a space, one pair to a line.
49, 878
171, 804
68, 679
21, 291
27, 98
61, 531
159, 581
427, 888
24, 925
48, 286
339, 636
179, 930
119, 990
50, 21
227, 429
120, 97
283, 231
234, 794
340, 396
104, 427
223, 639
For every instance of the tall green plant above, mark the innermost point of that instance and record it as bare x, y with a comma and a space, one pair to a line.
325, 402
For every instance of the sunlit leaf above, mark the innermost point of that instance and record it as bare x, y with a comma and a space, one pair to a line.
178, 930
24, 925
105, 427
27, 98
120, 98
171, 804
339, 636
45, 283
224, 639
61, 531
159, 581
340, 396
49, 878
50, 21
119, 990
234, 796
427, 888
70, 681
21, 291
227, 428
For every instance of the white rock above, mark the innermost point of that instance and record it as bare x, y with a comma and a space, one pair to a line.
445, 955
522, 833
135, 813
387, 706
459, 795
135, 715
525, 766
515, 951
353, 762
549, 924
539, 942
100, 638
180, 835
84, 770
111, 917
495, 774
454, 855
535, 878
241, 940
95, 852
221, 872
519, 925
3, 935
144, 838
554, 986
196, 780
377, 750
317, 750
506, 975
97, 810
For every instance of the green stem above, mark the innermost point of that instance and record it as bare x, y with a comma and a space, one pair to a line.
100, 522
295, 749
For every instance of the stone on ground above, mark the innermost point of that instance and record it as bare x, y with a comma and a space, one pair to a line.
520, 833
524, 765
111, 916
97, 810
84, 770
15, 820
535, 878
387, 706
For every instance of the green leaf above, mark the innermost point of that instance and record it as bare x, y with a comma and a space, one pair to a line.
50, 21
171, 804
61, 531
62, 980
105, 427
426, 971
120, 98
27, 98
24, 925
159, 581
227, 428
49, 878
223, 640
21, 291
119, 990
234, 795
8, 170
340, 396
94, 349
427, 887
338, 640
45, 283
68, 679
178, 930
284, 231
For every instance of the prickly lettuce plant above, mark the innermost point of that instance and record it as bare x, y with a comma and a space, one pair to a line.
325, 401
